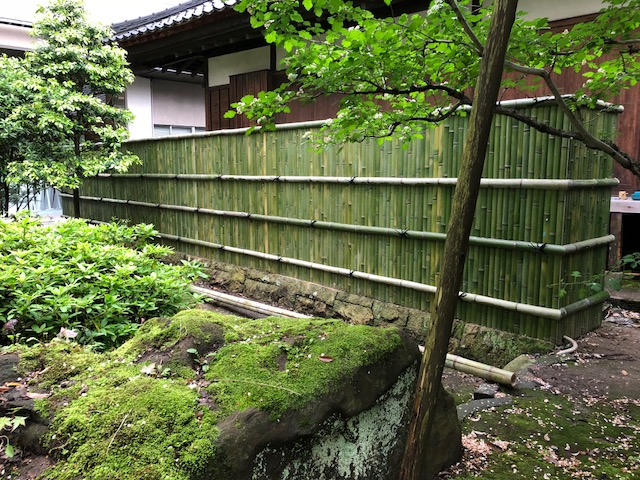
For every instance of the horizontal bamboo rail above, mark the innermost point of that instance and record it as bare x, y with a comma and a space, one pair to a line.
440, 237
488, 372
523, 183
544, 312
232, 300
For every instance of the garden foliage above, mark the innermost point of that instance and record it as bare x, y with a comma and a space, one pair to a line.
93, 283
59, 122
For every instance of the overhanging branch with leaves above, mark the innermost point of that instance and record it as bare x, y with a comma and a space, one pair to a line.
395, 74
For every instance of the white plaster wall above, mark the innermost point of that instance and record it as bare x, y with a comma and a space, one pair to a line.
220, 68
15, 37
177, 103
138, 100
557, 10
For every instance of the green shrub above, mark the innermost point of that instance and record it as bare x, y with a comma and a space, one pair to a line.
95, 283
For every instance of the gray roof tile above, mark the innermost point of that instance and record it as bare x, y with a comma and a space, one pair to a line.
182, 13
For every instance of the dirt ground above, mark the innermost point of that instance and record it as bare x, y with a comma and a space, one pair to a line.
605, 365
599, 382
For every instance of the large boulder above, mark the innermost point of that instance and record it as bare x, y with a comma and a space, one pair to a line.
207, 396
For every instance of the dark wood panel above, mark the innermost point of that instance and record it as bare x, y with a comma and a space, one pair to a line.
217, 99
247, 84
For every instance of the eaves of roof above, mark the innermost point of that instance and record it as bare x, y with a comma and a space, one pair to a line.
182, 13
15, 22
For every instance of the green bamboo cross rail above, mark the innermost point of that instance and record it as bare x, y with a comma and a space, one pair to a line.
371, 230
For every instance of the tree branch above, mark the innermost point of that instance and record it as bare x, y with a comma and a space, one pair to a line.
605, 146
380, 90
445, 113
631, 41
466, 27
581, 133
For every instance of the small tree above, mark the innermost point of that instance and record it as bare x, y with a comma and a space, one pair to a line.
10, 98
76, 133
13, 143
400, 72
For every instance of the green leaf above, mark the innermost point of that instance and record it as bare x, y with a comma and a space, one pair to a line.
128, 281
17, 422
9, 451
615, 283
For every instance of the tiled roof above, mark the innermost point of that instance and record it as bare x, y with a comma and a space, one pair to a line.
170, 17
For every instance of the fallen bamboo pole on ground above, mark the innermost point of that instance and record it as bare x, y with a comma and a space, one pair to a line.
461, 364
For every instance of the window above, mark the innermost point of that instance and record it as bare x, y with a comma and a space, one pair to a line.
166, 130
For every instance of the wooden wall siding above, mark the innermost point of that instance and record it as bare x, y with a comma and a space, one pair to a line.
289, 190
247, 84
217, 99
220, 98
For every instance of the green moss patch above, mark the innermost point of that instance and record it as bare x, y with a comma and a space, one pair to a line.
545, 436
277, 364
151, 409
145, 428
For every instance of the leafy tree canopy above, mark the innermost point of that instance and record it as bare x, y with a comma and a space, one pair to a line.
13, 93
68, 128
397, 72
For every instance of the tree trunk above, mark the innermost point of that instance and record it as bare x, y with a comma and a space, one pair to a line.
6, 194
76, 203
415, 464
76, 191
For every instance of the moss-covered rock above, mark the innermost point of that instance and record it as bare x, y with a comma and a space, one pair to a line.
200, 395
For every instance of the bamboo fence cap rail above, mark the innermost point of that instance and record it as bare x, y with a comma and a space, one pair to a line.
549, 100
235, 131
526, 183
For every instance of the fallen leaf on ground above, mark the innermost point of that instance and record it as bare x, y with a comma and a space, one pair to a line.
37, 396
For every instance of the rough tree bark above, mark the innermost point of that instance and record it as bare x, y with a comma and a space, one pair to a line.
415, 464
76, 203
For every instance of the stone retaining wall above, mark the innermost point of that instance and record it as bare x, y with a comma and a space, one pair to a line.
478, 343
314, 299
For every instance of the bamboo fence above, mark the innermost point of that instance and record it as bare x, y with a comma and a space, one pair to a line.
371, 219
